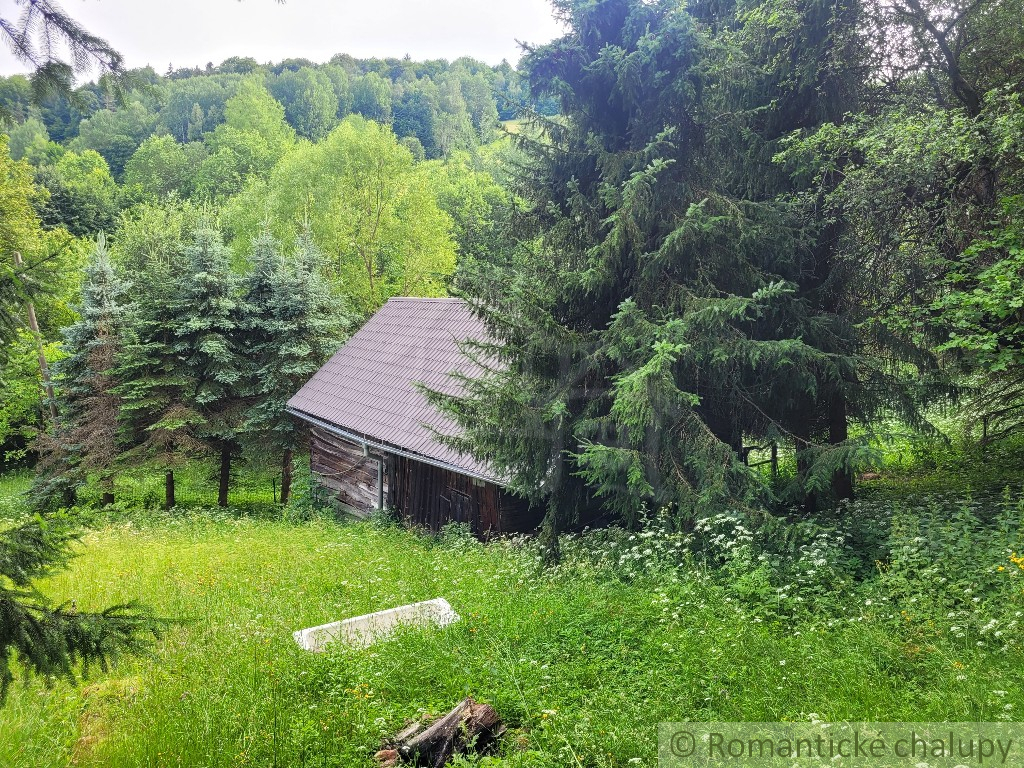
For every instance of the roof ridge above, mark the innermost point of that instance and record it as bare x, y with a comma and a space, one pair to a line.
444, 299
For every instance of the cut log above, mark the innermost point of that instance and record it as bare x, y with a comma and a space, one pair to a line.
407, 733
468, 726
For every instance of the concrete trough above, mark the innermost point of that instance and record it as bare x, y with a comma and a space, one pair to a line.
363, 631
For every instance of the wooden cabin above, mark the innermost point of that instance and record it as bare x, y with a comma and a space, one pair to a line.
373, 434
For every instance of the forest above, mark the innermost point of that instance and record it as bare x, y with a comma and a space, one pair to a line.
299, 197
754, 278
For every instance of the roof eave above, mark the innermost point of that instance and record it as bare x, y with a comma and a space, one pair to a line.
385, 447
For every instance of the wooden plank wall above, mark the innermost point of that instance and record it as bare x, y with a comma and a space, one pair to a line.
430, 496
516, 513
344, 469
424, 495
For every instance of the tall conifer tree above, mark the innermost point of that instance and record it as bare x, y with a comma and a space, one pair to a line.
85, 440
670, 303
206, 341
157, 421
292, 324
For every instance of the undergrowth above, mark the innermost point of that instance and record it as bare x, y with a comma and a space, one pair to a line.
902, 606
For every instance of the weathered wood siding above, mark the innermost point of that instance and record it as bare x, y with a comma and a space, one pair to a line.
517, 516
423, 494
431, 497
342, 467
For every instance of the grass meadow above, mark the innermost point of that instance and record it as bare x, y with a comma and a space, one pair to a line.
582, 660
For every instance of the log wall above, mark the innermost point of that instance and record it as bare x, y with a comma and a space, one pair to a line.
422, 494
342, 467
430, 496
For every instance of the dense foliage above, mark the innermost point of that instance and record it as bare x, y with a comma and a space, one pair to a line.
722, 231
437, 106
748, 227
384, 219
725, 246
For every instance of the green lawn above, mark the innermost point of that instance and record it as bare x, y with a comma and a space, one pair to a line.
582, 661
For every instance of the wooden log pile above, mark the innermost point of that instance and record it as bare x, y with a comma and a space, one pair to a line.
468, 726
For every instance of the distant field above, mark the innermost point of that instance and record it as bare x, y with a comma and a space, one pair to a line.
518, 126
582, 661
513, 126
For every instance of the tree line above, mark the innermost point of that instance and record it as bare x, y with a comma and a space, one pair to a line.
435, 107
386, 222
176, 355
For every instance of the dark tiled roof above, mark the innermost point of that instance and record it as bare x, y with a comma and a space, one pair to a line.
367, 388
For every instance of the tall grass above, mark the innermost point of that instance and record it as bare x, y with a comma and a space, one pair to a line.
582, 661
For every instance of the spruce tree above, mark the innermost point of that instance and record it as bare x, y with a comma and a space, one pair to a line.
54, 640
292, 324
180, 371
157, 422
606, 383
34, 634
86, 374
205, 325
670, 303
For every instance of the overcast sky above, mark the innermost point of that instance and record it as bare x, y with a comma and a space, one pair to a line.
189, 33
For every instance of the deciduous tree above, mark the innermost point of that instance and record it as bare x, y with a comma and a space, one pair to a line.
368, 207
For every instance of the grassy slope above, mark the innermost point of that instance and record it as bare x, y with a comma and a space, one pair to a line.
581, 663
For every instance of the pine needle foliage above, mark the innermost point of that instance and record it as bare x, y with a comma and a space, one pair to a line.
291, 323
206, 316
57, 48
85, 439
156, 421
56, 641
179, 375
672, 300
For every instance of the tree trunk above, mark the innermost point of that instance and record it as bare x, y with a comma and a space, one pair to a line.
69, 496
724, 427
108, 490
801, 444
286, 476
225, 476
44, 369
169, 489
839, 432
468, 725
